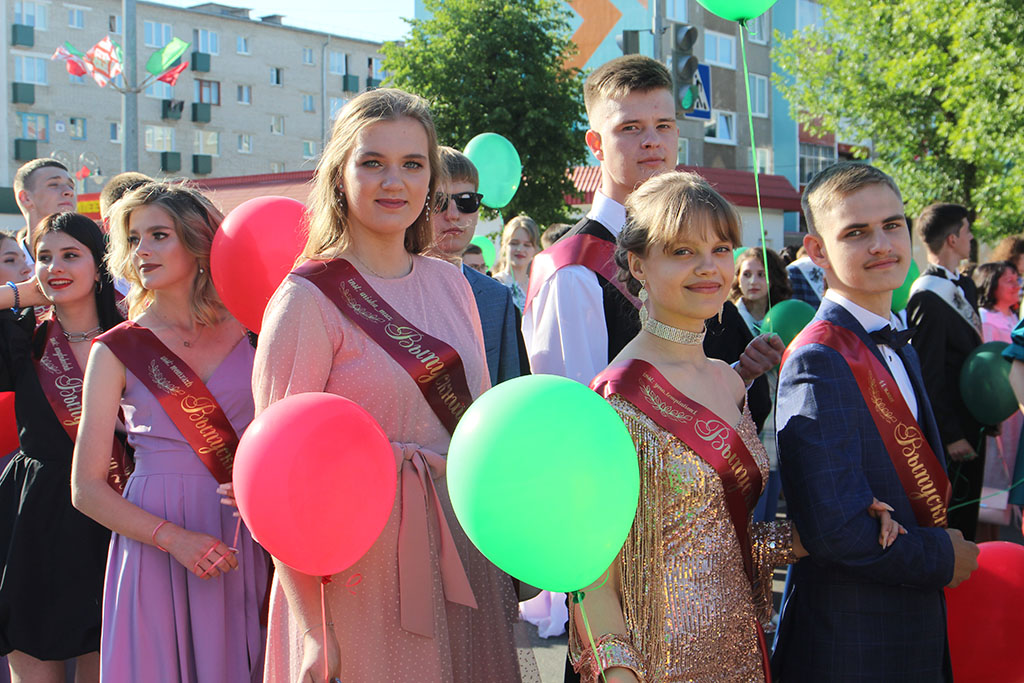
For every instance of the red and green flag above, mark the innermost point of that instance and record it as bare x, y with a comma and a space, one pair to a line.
103, 60
72, 58
163, 59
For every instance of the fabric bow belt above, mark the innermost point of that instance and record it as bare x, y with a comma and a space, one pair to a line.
417, 468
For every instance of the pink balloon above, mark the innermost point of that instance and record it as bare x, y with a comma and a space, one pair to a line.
255, 247
985, 615
315, 481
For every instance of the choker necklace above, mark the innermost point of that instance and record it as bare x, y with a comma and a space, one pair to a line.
673, 334
74, 337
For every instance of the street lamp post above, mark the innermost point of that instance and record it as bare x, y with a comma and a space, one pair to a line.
130, 94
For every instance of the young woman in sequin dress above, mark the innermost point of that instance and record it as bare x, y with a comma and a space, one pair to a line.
678, 604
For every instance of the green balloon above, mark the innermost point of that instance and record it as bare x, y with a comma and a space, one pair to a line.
499, 166
901, 296
487, 247
510, 473
737, 252
985, 384
737, 10
788, 318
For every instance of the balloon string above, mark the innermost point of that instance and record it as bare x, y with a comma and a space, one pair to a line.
753, 154
577, 597
323, 624
238, 530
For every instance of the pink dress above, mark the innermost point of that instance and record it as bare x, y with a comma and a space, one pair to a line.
308, 345
1000, 451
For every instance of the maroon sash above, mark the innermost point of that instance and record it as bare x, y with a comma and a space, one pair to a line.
919, 470
434, 365
62, 381
182, 395
589, 251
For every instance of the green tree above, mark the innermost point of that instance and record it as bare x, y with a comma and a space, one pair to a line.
499, 66
936, 86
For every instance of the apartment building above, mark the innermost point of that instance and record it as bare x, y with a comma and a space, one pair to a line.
257, 97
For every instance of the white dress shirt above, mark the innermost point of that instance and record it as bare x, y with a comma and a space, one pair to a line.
564, 327
873, 322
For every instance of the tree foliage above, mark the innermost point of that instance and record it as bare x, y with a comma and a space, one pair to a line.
938, 89
499, 66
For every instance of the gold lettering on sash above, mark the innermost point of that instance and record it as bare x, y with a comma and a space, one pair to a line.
716, 433
197, 409
70, 389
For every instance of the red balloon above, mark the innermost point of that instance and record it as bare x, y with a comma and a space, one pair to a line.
985, 615
8, 425
315, 480
255, 247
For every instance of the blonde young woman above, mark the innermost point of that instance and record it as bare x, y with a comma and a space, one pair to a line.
520, 242
690, 592
184, 582
422, 604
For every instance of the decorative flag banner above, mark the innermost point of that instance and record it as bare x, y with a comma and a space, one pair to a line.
163, 59
72, 59
103, 60
171, 75
83, 173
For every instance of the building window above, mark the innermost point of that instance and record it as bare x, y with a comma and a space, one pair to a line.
675, 10
308, 103
277, 124
683, 151
276, 75
245, 94
208, 142
156, 34
277, 167
764, 160
337, 63
375, 69
758, 28
719, 49
721, 128
242, 45
30, 14
160, 90
114, 24
308, 149
244, 143
35, 126
115, 132
30, 70
808, 13
814, 158
758, 95
76, 128
76, 17
72, 78
206, 41
337, 104
159, 139
207, 92
307, 56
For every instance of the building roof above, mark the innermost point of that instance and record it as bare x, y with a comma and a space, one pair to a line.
736, 186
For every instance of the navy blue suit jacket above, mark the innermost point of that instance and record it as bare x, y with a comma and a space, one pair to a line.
497, 316
856, 612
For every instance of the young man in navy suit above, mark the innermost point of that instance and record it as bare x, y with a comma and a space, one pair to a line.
854, 423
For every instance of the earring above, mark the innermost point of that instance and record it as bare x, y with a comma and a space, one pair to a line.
643, 296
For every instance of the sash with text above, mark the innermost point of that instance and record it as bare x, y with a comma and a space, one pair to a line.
589, 251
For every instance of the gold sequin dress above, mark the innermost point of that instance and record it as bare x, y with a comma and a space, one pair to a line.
688, 604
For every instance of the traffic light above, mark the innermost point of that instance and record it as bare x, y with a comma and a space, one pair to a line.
629, 42
684, 67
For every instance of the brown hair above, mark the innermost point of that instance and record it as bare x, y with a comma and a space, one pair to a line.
1009, 249
458, 167
778, 279
328, 211
837, 182
195, 221
23, 176
986, 277
666, 207
937, 222
622, 76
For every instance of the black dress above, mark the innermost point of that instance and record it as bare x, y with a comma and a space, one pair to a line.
52, 557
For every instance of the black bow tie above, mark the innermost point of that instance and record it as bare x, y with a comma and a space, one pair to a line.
893, 339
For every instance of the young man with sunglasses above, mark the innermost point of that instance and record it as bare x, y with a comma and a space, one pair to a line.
456, 212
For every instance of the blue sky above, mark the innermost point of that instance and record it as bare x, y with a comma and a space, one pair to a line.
377, 20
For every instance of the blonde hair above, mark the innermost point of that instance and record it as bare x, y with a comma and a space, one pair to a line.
328, 211
526, 223
836, 182
665, 208
195, 220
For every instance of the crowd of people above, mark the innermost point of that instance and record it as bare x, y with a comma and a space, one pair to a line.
120, 545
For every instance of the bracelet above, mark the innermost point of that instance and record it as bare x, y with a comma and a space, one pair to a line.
329, 623
17, 296
158, 527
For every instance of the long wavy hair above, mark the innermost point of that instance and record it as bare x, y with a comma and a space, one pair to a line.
195, 220
328, 210
504, 263
779, 288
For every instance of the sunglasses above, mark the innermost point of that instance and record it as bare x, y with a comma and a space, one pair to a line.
465, 202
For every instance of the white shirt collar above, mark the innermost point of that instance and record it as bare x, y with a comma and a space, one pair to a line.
871, 322
608, 213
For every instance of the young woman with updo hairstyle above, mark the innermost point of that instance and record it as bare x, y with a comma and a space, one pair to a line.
370, 211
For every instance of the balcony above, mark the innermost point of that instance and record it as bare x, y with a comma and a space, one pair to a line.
170, 162
22, 35
350, 83
25, 150
23, 93
202, 112
373, 83
202, 164
171, 109
201, 62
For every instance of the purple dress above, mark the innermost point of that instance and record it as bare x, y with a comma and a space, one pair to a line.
160, 621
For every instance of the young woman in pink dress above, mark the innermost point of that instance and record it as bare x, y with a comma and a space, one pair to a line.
184, 583
422, 604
